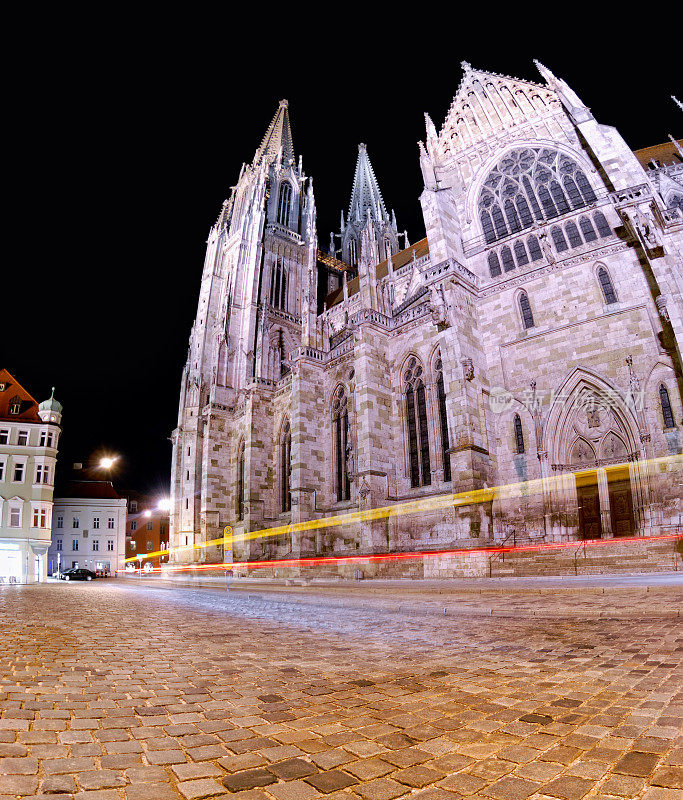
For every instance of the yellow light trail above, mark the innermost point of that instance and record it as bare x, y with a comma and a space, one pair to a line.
470, 497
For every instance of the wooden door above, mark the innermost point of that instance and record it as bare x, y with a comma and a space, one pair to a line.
621, 508
589, 512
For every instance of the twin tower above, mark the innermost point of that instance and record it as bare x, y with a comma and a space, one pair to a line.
262, 291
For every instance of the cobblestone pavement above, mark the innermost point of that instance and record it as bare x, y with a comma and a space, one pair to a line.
110, 691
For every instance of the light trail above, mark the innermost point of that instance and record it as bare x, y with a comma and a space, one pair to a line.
379, 557
503, 492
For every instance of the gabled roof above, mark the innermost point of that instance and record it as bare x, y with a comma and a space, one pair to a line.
365, 193
29, 405
278, 135
99, 490
398, 260
486, 103
665, 153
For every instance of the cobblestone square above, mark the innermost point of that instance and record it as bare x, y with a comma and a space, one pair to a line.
117, 691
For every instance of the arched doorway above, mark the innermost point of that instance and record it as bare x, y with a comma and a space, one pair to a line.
593, 447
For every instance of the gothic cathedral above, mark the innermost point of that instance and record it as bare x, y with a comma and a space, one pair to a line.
529, 346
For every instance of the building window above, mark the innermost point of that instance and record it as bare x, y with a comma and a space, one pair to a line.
134, 525
2, 471
494, 264
110, 523
133, 545
150, 545
74, 545
443, 420
240, 481
286, 468
667, 412
530, 184
587, 229
4, 436
284, 202
19, 473
559, 240
607, 288
508, 261
534, 248
96, 545
15, 517
42, 473
15, 405
76, 523
525, 308
416, 418
150, 526
59, 545
96, 523
519, 434
46, 439
133, 506
602, 225
22, 438
39, 518
341, 444
60, 521
110, 545
353, 252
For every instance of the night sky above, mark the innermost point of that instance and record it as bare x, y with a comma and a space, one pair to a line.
125, 150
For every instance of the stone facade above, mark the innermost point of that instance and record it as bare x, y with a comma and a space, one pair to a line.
527, 351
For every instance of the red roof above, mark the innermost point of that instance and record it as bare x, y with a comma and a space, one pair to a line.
28, 408
99, 490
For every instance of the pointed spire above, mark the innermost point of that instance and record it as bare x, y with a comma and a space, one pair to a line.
677, 146
278, 138
677, 101
365, 194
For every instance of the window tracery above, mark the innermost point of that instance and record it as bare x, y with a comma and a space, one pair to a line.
416, 419
340, 424
667, 411
443, 419
519, 434
606, 285
240, 481
525, 308
531, 184
284, 202
286, 468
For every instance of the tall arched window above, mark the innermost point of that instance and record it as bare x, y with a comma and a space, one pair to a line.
519, 435
353, 254
525, 308
286, 468
494, 264
340, 424
603, 226
587, 229
558, 239
521, 256
239, 506
573, 235
416, 418
443, 419
284, 202
534, 248
667, 412
508, 260
607, 288
278, 286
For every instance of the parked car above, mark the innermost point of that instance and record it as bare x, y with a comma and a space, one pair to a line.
78, 574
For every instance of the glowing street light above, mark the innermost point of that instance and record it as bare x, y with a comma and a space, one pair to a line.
107, 462
164, 505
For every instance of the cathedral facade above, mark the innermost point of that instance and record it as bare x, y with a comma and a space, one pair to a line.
526, 353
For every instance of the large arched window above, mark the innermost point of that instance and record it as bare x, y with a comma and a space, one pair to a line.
278, 286
286, 468
519, 434
525, 308
340, 424
284, 203
443, 419
606, 285
494, 264
667, 412
239, 506
530, 183
416, 419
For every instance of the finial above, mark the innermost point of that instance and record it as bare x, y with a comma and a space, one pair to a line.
362, 147
545, 72
284, 104
676, 145
52, 396
677, 101
467, 67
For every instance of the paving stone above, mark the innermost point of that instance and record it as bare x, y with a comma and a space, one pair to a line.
249, 779
381, 789
292, 768
511, 788
331, 781
637, 763
418, 776
204, 787
568, 788
151, 791
670, 777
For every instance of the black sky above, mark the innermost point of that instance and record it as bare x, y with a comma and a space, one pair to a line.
123, 151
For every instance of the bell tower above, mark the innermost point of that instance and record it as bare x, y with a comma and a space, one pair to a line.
255, 290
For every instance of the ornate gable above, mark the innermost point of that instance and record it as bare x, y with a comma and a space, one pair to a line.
487, 104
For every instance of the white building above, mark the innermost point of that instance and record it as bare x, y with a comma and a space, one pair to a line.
88, 528
29, 434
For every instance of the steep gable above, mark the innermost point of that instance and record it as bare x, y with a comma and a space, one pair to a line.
486, 104
13, 389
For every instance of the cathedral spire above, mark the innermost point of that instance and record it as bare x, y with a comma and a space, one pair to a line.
365, 193
278, 138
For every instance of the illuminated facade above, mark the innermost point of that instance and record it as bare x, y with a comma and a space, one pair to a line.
29, 437
535, 331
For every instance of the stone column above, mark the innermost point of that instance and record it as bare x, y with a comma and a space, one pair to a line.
603, 494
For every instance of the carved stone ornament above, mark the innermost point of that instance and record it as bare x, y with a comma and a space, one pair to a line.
661, 307
468, 369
